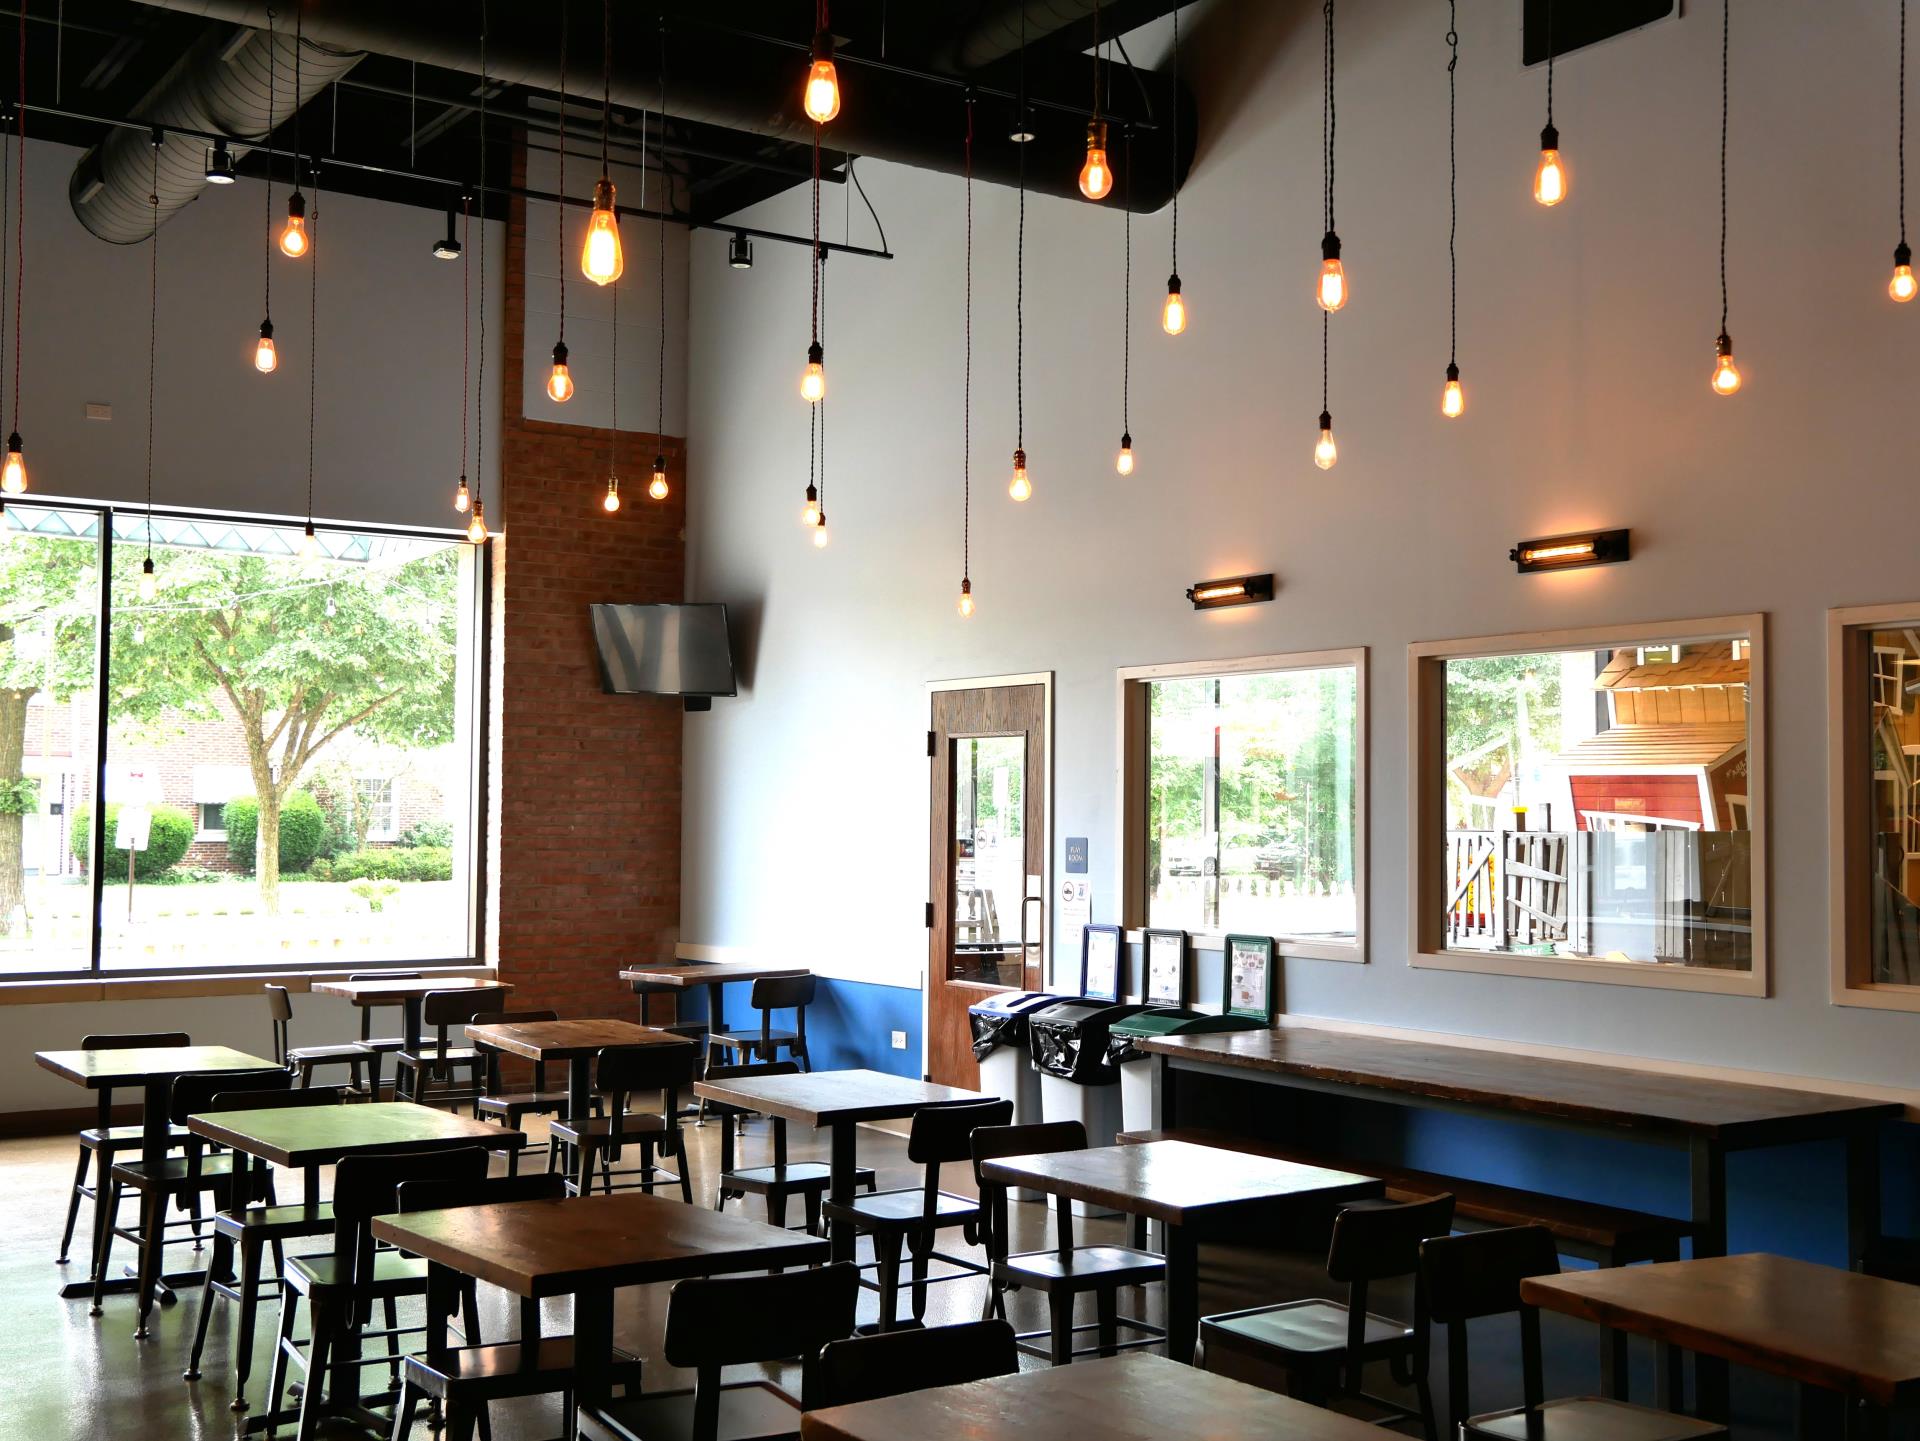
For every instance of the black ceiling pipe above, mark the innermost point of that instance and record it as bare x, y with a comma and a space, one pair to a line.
750, 82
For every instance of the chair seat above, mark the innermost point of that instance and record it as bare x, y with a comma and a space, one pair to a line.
174, 1172
505, 1369
749, 1411
521, 1103
385, 1045
432, 1055
1303, 1329
275, 1223
393, 1274
740, 1039
796, 1177
1588, 1418
125, 1138
634, 1126
351, 1052
1086, 1268
903, 1210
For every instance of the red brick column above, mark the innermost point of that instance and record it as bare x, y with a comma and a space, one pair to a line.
583, 857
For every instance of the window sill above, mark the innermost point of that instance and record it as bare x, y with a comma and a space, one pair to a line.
1877, 995
1615, 973
52, 991
1285, 947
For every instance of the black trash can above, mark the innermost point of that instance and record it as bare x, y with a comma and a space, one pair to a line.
1069, 1041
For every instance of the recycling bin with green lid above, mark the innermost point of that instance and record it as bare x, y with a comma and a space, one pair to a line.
1139, 1078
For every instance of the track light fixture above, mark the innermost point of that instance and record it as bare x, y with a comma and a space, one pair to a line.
220, 169
447, 247
740, 251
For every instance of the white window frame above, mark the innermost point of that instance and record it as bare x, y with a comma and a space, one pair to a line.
1132, 682
203, 832
1426, 805
391, 832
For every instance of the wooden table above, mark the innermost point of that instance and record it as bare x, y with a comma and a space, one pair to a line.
712, 974
1827, 1329
837, 1101
153, 1069
410, 992
1137, 1397
588, 1247
1195, 1190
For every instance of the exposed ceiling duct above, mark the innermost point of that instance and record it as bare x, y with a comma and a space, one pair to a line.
749, 82
219, 85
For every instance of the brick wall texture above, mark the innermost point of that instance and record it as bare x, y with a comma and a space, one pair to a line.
584, 804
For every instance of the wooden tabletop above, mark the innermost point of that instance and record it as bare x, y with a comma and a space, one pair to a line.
138, 1064
321, 1135
1121, 1398
828, 1098
564, 1040
707, 973
363, 993
1838, 1330
1177, 1181
1538, 1085
552, 1248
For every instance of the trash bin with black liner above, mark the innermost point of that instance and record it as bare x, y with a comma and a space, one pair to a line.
1139, 1077
1078, 1080
999, 1025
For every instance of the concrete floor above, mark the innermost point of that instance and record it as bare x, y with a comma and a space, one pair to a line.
66, 1374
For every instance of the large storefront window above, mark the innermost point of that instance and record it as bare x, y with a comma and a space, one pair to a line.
253, 689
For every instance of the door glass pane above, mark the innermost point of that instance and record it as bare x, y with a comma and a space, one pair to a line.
1893, 673
49, 640
989, 858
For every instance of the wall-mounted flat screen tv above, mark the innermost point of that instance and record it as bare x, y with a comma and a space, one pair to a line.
678, 650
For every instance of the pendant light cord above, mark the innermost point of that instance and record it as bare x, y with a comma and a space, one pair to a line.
1176, 139
299, 97
20, 214
814, 264
966, 376
1126, 288
480, 362
1329, 116
1549, 64
1453, 191
266, 260
1726, 15
153, 326
820, 409
1902, 143
666, 203
1096, 59
466, 317
1020, 263
313, 334
560, 210
606, 80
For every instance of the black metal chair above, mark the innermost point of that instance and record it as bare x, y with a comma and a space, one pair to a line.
867, 1368
341, 1285
378, 1046
809, 1180
193, 1173
495, 1101
621, 1073
1066, 1272
770, 994
911, 1219
465, 1379
1324, 1347
304, 1060
250, 1231
104, 1140
415, 1073
1479, 1274
736, 1321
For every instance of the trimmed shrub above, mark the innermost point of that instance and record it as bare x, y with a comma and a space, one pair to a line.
168, 837
396, 863
303, 826
429, 833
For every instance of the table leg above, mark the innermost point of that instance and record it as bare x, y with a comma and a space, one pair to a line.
593, 1346
840, 1190
1863, 1193
410, 1023
1183, 1294
1709, 1213
579, 1109
716, 1007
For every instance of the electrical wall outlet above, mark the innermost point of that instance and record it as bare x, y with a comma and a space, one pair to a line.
99, 410
899, 1040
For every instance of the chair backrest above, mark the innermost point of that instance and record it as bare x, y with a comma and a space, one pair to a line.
280, 1012
783, 993
1374, 1241
515, 1018
1039, 1138
494, 1190
740, 1320
367, 1008
457, 1007
276, 1100
945, 1133
193, 1094
1479, 1274
622, 1070
510, 1018
892, 1363
734, 1073
369, 1186
126, 1041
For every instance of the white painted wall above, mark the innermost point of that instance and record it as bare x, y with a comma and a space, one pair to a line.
1586, 338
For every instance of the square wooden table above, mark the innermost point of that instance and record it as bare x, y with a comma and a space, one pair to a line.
153, 1069
714, 975
409, 991
837, 1101
1194, 1190
588, 1247
1137, 1397
1828, 1329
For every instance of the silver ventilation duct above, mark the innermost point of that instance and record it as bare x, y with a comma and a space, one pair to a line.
218, 85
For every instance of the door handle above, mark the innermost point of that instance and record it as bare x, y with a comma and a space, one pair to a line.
1040, 905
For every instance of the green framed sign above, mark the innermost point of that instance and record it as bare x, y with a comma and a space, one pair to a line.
1247, 977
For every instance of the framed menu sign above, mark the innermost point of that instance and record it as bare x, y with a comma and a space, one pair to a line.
1100, 963
1166, 968
1248, 980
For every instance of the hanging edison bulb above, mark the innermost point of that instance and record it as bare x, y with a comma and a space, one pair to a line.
966, 598
821, 97
810, 512
477, 526
293, 238
149, 582
813, 380
601, 260
1096, 176
657, 487
1330, 289
820, 532
1726, 375
1019, 487
610, 502
265, 359
1550, 178
560, 379
1903, 286
1453, 400
13, 477
1173, 315
463, 498
1325, 452
309, 543
1123, 462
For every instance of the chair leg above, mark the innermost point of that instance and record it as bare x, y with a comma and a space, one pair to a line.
191, 1205
403, 1411
249, 1313
277, 1376
153, 1235
1107, 1309
219, 1268
886, 1252
73, 1202
373, 1076
812, 1201
392, 1312
1060, 1315
319, 1357
1429, 1427
776, 1206
103, 1236
920, 1258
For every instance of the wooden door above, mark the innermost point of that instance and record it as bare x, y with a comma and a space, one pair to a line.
988, 760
